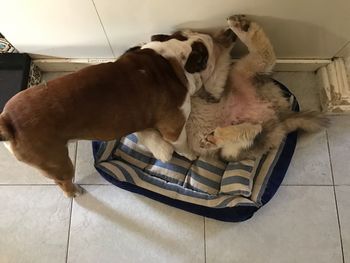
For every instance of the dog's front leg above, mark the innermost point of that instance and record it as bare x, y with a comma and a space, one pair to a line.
181, 143
155, 143
233, 139
163, 150
216, 82
172, 129
182, 148
261, 58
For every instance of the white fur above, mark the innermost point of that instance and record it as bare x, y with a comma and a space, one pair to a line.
8, 146
181, 146
215, 82
153, 141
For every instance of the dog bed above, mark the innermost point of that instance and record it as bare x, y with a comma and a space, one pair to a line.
227, 191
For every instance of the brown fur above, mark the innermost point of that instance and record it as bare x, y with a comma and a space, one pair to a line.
140, 90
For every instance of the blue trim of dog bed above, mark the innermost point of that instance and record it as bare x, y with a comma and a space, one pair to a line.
237, 213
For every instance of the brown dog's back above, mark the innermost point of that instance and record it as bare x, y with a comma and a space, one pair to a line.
104, 102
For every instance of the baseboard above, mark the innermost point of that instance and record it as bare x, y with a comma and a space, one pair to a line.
334, 87
298, 65
68, 64
73, 64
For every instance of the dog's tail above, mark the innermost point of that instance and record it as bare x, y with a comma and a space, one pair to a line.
308, 121
5, 133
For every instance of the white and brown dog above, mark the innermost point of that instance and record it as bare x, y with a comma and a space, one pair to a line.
146, 88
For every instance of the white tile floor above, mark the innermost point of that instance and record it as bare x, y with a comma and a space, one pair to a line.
307, 221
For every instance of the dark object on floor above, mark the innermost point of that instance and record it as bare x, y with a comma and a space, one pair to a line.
14, 72
231, 191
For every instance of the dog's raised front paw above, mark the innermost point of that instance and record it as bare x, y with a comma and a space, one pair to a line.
240, 22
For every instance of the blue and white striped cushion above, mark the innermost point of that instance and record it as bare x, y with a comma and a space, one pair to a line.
205, 182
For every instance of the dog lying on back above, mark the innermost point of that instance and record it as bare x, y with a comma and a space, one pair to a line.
253, 116
148, 87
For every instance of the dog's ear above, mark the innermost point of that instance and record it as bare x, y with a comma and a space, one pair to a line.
179, 36
160, 37
133, 49
198, 58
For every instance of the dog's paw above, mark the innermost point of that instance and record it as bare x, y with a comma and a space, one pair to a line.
250, 33
189, 155
78, 190
164, 152
208, 142
239, 22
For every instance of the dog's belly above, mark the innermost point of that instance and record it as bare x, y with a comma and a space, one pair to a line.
244, 105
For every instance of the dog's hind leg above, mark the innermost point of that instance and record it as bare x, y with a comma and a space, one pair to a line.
261, 58
232, 139
53, 161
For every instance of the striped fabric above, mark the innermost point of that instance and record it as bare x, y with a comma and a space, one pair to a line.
205, 182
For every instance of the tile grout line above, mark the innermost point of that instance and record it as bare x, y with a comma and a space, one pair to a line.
341, 49
205, 243
335, 199
2, 185
71, 203
103, 28
69, 226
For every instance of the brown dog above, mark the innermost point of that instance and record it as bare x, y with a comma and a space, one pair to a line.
145, 88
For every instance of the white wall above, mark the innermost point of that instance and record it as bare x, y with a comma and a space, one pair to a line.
64, 28
105, 28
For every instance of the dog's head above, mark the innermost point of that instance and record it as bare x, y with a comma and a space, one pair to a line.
193, 48
208, 51
196, 53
